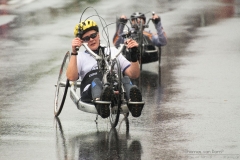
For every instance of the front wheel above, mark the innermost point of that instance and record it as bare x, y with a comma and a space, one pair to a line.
62, 86
116, 76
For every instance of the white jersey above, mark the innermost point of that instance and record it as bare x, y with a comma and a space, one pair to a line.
86, 63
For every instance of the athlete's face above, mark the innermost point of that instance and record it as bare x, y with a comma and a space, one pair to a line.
138, 20
92, 38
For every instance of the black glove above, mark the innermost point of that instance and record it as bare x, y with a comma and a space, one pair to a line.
134, 54
156, 20
123, 20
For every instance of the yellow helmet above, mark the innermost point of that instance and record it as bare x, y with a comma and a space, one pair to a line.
85, 26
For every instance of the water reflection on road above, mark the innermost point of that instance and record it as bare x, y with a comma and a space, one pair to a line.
98, 145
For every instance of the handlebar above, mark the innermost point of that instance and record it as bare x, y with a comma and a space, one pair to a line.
97, 57
122, 46
144, 25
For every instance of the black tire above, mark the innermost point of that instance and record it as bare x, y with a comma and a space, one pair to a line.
62, 86
117, 100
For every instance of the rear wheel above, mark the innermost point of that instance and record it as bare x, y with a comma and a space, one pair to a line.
62, 86
116, 76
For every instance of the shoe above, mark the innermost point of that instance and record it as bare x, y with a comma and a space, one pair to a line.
103, 109
135, 96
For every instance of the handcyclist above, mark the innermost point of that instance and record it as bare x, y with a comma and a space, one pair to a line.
154, 39
83, 66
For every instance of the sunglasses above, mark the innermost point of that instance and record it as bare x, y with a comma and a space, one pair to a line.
87, 38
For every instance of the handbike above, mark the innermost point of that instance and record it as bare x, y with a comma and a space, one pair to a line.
148, 53
112, 75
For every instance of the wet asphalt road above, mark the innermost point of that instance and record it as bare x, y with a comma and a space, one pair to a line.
192, 100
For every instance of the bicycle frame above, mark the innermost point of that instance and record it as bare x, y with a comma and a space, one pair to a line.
87, 107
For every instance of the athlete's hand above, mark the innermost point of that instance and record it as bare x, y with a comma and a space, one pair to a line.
155, 19
123, 19
130, 43
132, 46
76, 44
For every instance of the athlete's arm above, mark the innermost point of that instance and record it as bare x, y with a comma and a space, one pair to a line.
72, 71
